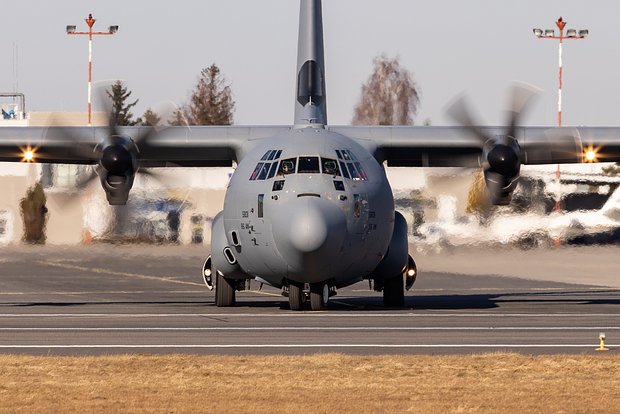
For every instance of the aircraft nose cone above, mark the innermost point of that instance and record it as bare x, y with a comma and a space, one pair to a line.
309, 233
309, 228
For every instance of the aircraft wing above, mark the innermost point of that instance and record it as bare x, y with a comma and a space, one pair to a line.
426, 146
174, 146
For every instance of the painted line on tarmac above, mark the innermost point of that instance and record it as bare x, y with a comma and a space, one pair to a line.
293, 346
116, 273
321, 314
313, 328
509, 290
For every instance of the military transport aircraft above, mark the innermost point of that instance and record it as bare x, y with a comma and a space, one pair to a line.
309, 208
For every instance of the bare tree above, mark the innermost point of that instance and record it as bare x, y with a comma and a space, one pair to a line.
178, 118
389, 97
211, 102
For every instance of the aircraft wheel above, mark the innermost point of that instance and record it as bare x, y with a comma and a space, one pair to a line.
295, 296
319, 296
224, 292
394, 292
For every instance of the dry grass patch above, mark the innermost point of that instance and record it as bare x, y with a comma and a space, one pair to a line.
318, 384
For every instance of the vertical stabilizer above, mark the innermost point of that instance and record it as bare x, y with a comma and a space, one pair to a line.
311, 100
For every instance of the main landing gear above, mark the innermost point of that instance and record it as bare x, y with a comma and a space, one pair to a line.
224, 291
394, 292
394, 288
318, 293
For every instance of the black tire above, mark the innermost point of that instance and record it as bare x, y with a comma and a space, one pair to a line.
295, 296
224, 292
318, 301
394, 292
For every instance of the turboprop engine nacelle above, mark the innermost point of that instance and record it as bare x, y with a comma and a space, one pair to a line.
501, 166
117, 169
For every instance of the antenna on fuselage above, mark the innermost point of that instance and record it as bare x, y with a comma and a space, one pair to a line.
311, 102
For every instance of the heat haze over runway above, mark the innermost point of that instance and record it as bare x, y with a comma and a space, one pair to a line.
150, 299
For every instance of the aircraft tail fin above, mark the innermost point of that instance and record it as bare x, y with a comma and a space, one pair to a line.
311, 99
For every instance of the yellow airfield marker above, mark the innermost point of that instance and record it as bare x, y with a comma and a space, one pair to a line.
601, 338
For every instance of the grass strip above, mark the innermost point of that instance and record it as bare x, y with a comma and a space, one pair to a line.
335, 383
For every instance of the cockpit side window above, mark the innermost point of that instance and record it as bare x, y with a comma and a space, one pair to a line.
272, 171
264, 171
360, 169
287, 166
308, 165
266, 156
345, 172
355, 175
330, 167
257, 171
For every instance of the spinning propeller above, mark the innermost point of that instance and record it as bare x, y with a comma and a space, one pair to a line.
502, 155
115, 157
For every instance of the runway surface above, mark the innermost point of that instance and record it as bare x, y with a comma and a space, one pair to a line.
110, 300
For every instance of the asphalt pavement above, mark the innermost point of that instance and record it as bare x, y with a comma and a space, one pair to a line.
107, 299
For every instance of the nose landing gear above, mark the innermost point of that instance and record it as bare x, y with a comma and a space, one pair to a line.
319, 296
317, 293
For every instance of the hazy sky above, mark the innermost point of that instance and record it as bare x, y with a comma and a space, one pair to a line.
478, 46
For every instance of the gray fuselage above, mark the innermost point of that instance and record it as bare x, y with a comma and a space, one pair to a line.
305, 219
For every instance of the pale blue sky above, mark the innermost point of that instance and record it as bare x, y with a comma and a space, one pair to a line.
450, 46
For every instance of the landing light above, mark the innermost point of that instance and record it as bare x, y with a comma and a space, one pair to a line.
28, 154
590, 154
207, 272
411, 272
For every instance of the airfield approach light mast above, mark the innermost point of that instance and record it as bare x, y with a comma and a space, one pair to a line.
90, 21
571, 34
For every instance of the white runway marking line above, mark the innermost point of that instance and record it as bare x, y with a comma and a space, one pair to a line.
314, 328
293, 346
116, 273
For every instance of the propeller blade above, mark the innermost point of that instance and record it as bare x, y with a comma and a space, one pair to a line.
83, 182
458, 110
79, 147
554, 145
521, 98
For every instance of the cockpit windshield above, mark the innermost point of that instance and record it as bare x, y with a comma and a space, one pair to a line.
347, 166
287, 166
330, 167
308, 165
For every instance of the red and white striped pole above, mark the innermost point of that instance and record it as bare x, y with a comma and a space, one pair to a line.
90, 21
561, 25
550, 34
